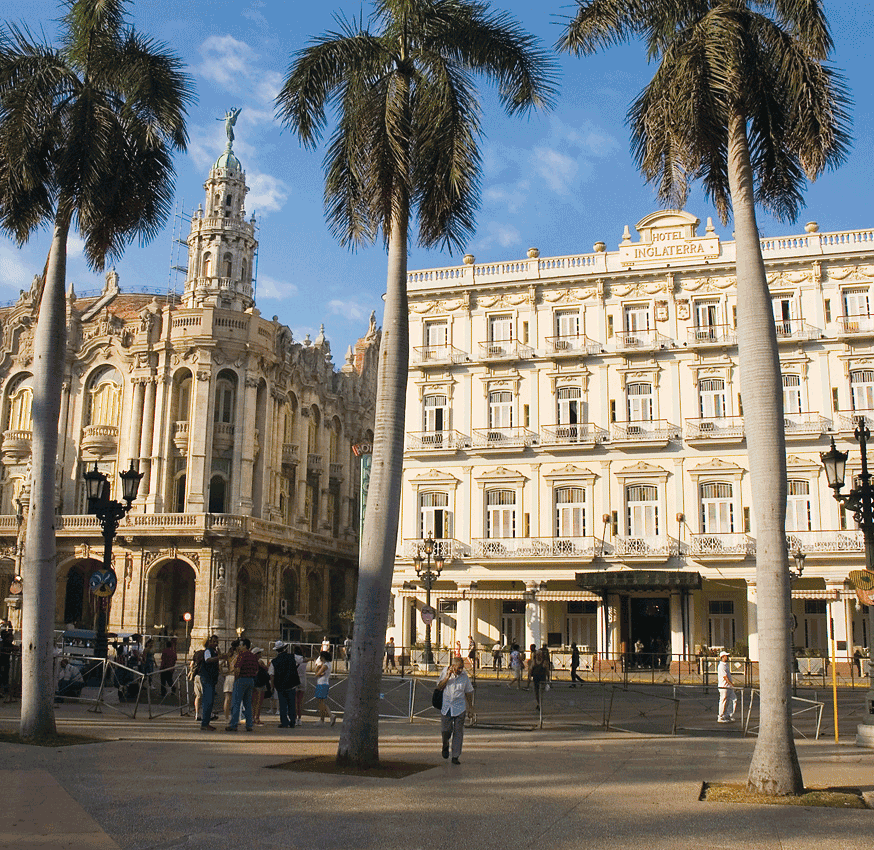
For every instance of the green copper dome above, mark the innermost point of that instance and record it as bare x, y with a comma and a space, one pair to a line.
228, 160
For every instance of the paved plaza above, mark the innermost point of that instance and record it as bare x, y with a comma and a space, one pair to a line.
570, 784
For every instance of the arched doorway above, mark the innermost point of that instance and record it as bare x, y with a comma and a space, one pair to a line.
250, 592
79, 608
172, 596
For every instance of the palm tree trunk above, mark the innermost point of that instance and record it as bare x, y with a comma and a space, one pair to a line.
39, 568
774, 769
359, 737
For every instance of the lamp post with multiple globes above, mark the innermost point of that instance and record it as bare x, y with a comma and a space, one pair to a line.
428, 576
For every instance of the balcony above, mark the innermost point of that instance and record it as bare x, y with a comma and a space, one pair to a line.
730, 546
643, 340
805, 426
583, 435
290, 454
712, 430
579, 548
429, 442
711, 335
438, 355
855, 326
446, 548
180, 436
335, 470
314, 462
99, 440
655, 432
223, 436
848, 420
826, 542
655, 549
16, 445
509, 349
797, 330
571, 346
503, 438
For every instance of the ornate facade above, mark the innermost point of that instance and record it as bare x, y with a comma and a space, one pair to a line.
247, 513
576, 442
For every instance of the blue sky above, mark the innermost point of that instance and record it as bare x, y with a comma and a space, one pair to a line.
559, 181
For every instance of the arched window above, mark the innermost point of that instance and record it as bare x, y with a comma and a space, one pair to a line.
862, 385
225, 397
501, 513
570, 512
642, 502
228, 265
183, 399
206, 265
434, 516
334, 437
21, 405
717, 508
313, 431
218, 486
104, 397
179, 494
639, 402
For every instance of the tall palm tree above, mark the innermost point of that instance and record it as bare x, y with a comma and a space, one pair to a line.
405, 145
743, 100
86, 135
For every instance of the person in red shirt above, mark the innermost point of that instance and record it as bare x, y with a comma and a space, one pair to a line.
245, 670
168, 663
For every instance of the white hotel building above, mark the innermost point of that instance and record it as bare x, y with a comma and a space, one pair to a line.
576, 443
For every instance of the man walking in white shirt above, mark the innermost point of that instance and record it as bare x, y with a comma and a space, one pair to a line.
457, 703
727, 696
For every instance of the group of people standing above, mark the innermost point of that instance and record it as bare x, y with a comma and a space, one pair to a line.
249, 679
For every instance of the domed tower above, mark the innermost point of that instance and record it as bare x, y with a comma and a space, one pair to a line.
221, 244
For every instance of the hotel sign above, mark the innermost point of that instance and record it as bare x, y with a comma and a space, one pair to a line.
669, 246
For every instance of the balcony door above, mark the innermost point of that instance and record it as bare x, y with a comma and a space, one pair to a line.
570, 512
643, 510
639, 402
706, 319
436, 415
500, 513
717, 508
434, 517
711, 398
567, 324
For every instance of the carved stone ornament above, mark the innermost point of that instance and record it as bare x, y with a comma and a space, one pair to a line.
661, 311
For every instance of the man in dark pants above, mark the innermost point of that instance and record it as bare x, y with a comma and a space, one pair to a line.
285, 680
575, 663
209, 676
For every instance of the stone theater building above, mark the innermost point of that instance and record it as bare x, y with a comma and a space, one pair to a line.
576, 443
247, 513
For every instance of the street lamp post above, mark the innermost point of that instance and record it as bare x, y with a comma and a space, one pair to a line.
428, 576
860, 500
109, 513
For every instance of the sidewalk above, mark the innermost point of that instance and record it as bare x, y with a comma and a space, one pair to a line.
164, 784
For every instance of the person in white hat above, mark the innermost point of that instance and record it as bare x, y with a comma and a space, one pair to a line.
727, 695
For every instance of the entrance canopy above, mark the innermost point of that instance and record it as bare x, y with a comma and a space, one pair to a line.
302, 624
615, 580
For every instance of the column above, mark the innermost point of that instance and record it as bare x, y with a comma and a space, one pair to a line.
199, 436
136, 420
676, 615
837, 616
244, 432
160, 436
145, 449
533, 617
602, 620
613, 641
752, 621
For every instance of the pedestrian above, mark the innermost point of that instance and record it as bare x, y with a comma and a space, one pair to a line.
497, 658
323, 684
245, 670
228, 684
326, 645
390, 654
7, 648
727, 695
515, 666
262, 686
148, 662
575, 665
457, 703
167, 665
347, 652
857, 662
70, 681
285, 680
638, 653
299, 697
531, 650
471, 652
538, 673
208, 673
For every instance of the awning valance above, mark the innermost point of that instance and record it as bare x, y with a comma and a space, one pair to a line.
303, 624
640, 580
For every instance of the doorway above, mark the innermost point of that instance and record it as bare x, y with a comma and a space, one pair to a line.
649, 626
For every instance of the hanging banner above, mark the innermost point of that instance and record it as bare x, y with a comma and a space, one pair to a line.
364, 452
863, 581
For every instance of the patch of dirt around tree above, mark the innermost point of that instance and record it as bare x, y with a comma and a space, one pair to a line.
387, 769
61, 739
831, 798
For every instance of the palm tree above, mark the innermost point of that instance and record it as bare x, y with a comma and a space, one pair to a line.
405, 144
86, 135
743, 100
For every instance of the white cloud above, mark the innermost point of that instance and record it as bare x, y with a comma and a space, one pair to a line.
236, 67
499, 233
271, 288
511, 197
75, 246
557, 170
266, 193
15, 272
348, 309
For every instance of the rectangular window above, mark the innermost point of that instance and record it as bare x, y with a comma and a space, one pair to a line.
436, 334
500, 513
501, 409
643, 510
711, 398
639, 402
828, 310
567, 323
836, 401
791, 394
500, 328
